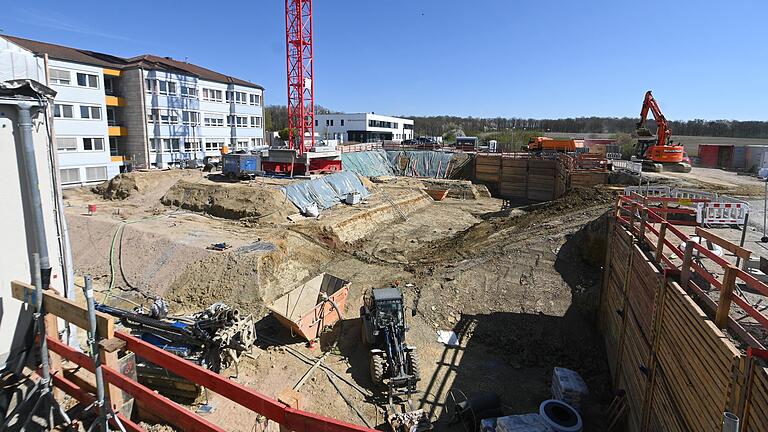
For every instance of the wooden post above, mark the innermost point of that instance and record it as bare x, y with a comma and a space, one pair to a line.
660, 243
643, 222
108, 350
293, 399
632, 210
54, 360
724, 306
685, 270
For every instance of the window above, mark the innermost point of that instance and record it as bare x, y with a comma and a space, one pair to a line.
87, 80
255, 99
162, 87
191, 145
241, 145
66, 144
59, 76
237, 97
171, 88
63, 111
151, 85
316, 123
342, 122
169, 116
256, 122
93, 144
97, 173
212, 120
153, 116
237, 121
212, 95
113, 149
213, 144
69, 175
164, 145
190, 118
257, 142
90, 112
188, 91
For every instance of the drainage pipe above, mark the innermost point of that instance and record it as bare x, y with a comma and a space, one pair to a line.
730, 422
33, 186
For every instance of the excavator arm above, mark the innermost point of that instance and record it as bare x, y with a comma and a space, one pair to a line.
663, 134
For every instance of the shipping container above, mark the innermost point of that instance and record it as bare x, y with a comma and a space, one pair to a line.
715, 156
754, 157
739, 161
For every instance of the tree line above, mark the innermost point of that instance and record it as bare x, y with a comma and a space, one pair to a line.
276, 118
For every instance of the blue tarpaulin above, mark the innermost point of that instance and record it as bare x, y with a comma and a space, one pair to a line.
432, 164
326, 191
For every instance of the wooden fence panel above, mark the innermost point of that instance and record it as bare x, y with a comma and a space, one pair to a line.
756, 418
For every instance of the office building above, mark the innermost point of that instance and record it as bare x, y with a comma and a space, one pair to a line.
113, 113
363, 127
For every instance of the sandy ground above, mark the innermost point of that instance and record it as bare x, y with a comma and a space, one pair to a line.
510, 282
717, 180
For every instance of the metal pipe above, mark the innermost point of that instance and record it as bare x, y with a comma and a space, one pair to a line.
93, 342
731, 422
33, 186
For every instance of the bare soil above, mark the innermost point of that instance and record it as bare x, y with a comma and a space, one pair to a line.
511, 282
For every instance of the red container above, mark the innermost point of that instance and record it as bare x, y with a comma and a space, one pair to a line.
91, 208
715, 156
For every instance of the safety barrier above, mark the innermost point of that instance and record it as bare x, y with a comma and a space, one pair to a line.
722, 213
693, 194
655, 191
159, 406
635, 167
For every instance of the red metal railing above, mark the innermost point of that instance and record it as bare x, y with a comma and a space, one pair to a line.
175, 414
636, 214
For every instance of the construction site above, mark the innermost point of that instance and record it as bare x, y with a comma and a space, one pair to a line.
403, 285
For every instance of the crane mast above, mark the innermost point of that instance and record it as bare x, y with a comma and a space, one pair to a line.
300, 67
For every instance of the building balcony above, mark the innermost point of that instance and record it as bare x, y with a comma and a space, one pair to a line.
112, 72
115, 101
118, 131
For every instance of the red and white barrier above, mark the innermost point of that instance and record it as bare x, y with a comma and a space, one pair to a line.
722, 213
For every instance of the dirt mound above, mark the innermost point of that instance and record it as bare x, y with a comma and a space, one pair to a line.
119, 188
466, 243
265, 203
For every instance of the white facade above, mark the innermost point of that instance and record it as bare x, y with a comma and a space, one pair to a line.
80, 123
16, 253
191, 118
363, 127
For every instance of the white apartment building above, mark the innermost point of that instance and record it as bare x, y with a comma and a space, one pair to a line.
113, 113
363, 127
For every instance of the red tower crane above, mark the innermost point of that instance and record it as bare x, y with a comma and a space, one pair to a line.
300, 64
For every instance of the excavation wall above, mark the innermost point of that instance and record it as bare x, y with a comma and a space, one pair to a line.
679, 371
520, 176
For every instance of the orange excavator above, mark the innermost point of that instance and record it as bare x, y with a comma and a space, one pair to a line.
658, 153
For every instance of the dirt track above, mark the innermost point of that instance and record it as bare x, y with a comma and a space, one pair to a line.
509, 282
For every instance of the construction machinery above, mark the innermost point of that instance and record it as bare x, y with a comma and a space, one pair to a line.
393, 362
657, 153
545, 144
214, 338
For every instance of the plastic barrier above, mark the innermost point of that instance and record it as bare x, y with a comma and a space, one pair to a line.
647, 190
693, 194
723, 213
635, 167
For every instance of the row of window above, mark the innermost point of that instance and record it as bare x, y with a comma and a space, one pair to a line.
68, 111
383, 124
192, 118
92, 174
163, 87
73, 144
175, 145
329, 122
64, 77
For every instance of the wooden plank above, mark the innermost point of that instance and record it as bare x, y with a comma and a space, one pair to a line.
726, 295
64, 308
723, 243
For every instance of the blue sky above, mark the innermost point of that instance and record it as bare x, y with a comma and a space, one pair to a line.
485, 58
